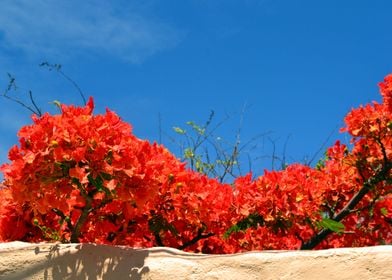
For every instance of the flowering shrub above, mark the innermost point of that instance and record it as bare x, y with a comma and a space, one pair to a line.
84, 178
80, 177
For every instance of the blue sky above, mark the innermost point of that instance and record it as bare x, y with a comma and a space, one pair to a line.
294, 67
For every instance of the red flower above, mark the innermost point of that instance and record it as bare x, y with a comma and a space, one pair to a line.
386, 92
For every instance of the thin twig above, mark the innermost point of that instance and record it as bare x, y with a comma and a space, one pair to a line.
12, 85
57, 68
34, 104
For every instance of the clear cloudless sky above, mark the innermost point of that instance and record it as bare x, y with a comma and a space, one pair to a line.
294, 67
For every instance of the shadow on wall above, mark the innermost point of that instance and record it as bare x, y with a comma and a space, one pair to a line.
81, 262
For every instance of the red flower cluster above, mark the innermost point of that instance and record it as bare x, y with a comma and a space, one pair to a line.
80, 177
386, 92
85, 178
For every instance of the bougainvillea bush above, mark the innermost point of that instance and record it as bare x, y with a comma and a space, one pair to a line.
80, 177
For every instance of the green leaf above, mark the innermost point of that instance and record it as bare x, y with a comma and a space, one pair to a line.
332, 225
231, 230
253, 220
97, 183
179, 130
57, 103
106, 176
188, 153
198, 129
384, 211
157, 224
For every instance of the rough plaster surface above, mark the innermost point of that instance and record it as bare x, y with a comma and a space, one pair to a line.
20, 260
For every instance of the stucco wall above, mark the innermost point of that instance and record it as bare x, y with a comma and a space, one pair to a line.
76, 261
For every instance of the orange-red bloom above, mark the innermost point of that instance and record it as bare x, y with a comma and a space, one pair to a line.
82, 177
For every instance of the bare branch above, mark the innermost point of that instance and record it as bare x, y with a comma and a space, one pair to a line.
12, 86
57, 68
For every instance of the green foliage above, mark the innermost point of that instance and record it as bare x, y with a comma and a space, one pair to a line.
253, 220
206, 153
158, 224
321, 163
384, 211
179, 130
48, 232
332, 225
